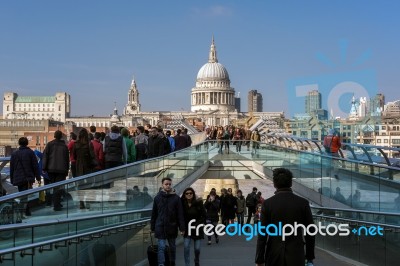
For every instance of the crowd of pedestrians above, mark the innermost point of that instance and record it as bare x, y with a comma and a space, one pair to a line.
238, 137
87, 152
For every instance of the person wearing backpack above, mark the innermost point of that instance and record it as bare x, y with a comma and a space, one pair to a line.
251, 203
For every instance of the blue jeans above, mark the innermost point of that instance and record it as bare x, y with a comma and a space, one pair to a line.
186, 245
215, 234
220, 144
240, 218
161, 249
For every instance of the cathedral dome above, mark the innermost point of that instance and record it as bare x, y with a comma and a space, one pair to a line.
212, 71
213, 90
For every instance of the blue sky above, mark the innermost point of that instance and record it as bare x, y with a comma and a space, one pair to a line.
91, 49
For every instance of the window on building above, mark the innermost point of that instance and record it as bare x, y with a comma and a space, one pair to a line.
37, 140
383, 127
378, 141
385, 141
396, 141
59, 108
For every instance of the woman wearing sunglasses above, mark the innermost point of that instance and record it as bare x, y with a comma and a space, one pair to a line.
193, 209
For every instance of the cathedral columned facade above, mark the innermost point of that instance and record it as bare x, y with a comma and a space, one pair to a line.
213, 90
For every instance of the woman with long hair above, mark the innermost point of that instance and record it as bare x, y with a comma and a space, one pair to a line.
193, 209
84, 156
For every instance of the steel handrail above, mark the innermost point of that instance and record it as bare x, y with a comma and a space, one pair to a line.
354, 210
352, 221
68, 220
67, 238
83, 177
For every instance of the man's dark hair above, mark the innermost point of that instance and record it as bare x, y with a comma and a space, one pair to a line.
165, 178
58, 134
115, 129
282, 178
97, 135
23, 141
73, 136
178, 132
103, 135
140, 128
255, 189
92, 129
168, 133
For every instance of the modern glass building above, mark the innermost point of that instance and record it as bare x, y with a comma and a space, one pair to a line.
313, 102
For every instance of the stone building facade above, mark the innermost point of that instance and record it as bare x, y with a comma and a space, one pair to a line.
56, 107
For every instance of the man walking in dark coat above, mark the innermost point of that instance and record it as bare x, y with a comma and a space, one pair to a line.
287, 208
24, 169
166, 217
56, 164
155, 143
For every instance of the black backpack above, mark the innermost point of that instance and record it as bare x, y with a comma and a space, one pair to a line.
250, 200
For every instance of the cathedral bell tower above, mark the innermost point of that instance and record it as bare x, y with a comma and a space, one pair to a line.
133, 105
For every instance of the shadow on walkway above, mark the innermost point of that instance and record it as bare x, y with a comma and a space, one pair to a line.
236, 251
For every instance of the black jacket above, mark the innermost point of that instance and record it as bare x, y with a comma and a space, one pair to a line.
155, 147
287, 208
197, 212
212, 208
56, 157
113, 148
23, 167
228, 207
167, 215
